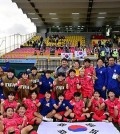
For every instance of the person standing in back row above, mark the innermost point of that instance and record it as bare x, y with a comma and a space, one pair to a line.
113, 76
62, 68
101, 80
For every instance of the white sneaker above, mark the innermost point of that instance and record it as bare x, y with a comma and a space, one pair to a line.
47, 119
105, 121
92, 119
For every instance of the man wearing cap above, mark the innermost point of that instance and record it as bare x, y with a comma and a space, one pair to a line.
9, 82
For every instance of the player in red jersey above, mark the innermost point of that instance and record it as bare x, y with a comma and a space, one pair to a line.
10, 102
89, 69
97, 107
32, 105
72, 85
10, 124
86, 83
111, 102
20, 115
117, 111
79, 111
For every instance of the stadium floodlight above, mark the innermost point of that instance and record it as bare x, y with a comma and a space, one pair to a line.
34, 18
102, 13
31, 13
75, 13
54, 18
52, 13
100, 17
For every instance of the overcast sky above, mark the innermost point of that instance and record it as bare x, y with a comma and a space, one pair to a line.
12, 20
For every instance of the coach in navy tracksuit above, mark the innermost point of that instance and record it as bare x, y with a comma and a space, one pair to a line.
113, 73
101, 81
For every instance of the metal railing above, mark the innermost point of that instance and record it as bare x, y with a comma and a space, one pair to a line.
47, 64
12, 42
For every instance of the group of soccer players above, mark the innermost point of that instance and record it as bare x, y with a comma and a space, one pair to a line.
73, 95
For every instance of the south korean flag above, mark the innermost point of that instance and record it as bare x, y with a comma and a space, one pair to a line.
67, 55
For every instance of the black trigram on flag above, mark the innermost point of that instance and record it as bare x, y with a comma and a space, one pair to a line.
90, 125
93, 131
62, 131
62, 124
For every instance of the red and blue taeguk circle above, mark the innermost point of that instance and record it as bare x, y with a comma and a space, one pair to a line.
77, 128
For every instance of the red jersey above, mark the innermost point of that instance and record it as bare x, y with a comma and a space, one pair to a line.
21, 119
118, 106
31, 106
87, 86
95, 107
72, 83
110, 105
89, 71
10, 104
12, 122
77, 106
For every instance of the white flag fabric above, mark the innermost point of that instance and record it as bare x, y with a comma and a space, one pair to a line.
80, 54
67, 55
77, 128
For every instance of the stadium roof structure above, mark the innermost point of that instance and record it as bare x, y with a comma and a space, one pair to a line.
71, 12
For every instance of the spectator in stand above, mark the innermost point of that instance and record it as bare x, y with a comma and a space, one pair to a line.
41, 40
101, 80
44, 46
99, 43
113, 73
115, 54
78, 44
62, 68
102, 53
